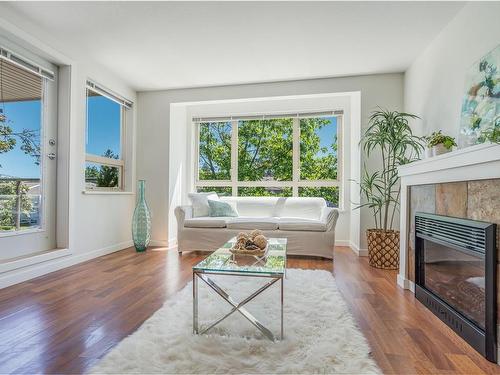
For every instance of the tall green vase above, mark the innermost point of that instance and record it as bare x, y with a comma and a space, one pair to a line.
141, 221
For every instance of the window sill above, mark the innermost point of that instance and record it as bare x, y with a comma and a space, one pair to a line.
21, 232
105, 192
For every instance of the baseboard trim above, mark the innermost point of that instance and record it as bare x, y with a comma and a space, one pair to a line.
343, 243
36, 270
356, 250
405, 283
164, 243
412, 286
33, 259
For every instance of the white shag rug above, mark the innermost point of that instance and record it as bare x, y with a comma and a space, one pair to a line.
320, 333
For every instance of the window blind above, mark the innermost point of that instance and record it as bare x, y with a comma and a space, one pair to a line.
26, 64
91, 85
268, 116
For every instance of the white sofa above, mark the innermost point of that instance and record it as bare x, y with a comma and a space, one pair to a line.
307, 223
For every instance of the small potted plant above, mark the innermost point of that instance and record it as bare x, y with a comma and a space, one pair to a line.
439, 143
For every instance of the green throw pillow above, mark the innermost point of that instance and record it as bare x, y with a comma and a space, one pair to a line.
221, 209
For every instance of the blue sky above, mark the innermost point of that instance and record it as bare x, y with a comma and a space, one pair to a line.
103, 132
21, 115
103, 121
328, 132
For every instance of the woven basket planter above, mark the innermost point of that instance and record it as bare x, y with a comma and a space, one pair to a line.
383, 248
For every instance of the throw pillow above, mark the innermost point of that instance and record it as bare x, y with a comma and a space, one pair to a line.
200, 203
222, 209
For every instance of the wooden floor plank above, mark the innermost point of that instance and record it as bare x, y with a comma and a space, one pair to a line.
66, 321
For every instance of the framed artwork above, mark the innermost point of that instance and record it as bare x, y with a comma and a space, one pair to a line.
481, 101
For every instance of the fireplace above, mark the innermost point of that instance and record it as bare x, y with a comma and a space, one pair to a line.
455, 276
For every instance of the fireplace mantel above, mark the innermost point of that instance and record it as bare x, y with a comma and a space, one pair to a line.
479, 162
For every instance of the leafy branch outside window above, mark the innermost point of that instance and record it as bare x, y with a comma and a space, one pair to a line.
103, 176
14, 201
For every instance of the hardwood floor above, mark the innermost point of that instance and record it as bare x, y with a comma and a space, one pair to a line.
65, 321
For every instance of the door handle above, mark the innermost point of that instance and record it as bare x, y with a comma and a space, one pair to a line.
51, 156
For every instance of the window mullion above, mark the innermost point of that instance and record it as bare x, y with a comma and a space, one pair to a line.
197, 129
296, 156
234, 157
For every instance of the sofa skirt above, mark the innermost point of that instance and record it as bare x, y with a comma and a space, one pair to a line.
319, 244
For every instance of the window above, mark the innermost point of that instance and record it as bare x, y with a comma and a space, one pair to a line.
285, 156
215, 151
265, 150
106, 114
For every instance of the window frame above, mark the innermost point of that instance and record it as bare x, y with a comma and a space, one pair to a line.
101, 160
296, 181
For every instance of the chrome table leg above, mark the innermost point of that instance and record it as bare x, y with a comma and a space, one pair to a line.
195, 303
281, 337
236, 306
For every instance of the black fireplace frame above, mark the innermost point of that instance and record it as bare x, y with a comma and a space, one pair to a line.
483, 340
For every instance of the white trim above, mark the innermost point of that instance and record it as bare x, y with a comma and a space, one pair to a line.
101, 160
111, 95
267, 116
11, 233
344, 243
303, 183
106, 192
164, 243
473, 155
356, 250
411, 286
91, 158
234, 158
295, 156
46, 267
172, 242
403, 282
33, 259
26, 64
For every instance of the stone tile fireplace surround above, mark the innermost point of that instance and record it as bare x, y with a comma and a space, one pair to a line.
464, 184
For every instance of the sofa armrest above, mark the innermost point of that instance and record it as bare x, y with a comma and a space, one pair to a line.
329, 216
182, 213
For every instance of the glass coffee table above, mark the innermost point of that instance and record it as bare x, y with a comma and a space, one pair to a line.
223, 262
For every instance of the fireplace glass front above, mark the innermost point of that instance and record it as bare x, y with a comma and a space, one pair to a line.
457, 277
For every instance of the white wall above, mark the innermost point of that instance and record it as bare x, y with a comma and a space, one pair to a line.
94, 224
154, 155
434, 83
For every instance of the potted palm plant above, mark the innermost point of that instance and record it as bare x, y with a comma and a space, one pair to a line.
389, 136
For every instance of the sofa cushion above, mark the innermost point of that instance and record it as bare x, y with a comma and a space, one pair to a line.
264, 223
200, 203
222, 209
301, 207
254, 206
206, 222
292, 223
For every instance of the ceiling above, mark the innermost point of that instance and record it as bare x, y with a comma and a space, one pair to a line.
161, 45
